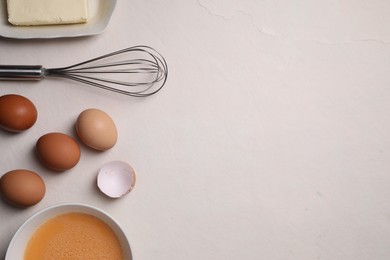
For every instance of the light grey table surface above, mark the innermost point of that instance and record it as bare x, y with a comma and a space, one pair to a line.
270, 140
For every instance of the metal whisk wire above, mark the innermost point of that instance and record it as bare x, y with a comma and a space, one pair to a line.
153, 64
137, 71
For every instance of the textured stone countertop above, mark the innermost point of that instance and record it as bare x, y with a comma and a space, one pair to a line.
270, 140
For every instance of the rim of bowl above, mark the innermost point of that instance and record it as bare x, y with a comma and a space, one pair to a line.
89, 210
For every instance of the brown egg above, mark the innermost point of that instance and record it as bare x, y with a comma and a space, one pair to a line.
22, 188
17, 113
58, 151
96, 129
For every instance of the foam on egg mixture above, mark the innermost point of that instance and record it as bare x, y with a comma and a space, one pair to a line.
74, 236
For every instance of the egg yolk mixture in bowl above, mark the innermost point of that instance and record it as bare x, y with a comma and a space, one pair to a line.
70, 231
74, 236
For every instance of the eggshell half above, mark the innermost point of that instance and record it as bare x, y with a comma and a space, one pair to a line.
116, 179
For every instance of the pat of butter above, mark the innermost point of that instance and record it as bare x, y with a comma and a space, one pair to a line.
43, 12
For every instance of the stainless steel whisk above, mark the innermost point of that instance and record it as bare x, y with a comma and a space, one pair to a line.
137, 71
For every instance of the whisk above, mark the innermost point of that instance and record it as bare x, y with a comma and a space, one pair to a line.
137, 71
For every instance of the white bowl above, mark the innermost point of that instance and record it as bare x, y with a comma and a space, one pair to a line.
19, 242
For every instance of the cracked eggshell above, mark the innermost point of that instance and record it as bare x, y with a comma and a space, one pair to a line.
116, 179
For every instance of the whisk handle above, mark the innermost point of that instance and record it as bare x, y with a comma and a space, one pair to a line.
21, 72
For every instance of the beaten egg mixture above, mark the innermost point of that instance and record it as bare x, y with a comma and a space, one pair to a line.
74, 236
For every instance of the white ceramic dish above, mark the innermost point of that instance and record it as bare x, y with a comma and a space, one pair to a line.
18, 243
100, 12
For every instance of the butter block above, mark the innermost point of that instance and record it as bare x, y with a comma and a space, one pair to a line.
45, 12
